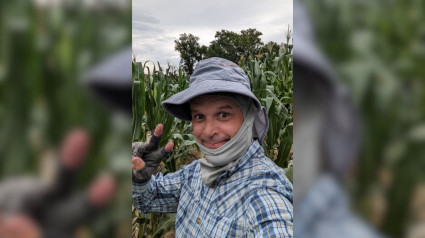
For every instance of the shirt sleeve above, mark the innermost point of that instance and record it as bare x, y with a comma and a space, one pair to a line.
160, 194
270, 214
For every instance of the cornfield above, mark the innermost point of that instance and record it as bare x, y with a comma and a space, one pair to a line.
271, 81
378, 51
45, 51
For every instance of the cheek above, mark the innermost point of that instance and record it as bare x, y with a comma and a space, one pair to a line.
233, 127
196, 129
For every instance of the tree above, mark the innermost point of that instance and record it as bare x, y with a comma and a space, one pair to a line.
234, 46
225, 46
190, 51
270, 47
237, 47
250, 43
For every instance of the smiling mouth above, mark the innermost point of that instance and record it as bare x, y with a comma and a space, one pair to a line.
215, 145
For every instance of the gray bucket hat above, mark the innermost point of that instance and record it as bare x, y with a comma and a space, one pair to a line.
216, 75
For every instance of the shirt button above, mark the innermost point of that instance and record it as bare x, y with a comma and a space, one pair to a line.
212, 185
198, 220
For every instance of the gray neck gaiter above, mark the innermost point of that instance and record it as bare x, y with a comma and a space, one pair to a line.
219, 160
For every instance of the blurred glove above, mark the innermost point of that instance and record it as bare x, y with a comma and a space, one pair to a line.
151, 155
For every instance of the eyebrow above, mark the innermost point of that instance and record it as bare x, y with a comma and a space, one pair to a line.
227, 106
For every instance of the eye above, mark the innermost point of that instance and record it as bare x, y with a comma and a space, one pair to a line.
224, 114
197, 117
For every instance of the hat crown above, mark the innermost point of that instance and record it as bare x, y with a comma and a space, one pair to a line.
219, 69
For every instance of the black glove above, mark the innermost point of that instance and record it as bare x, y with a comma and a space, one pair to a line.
151, 154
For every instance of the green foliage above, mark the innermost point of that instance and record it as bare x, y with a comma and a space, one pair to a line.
149, 90
237, 47
225, 45
154, 224
377, 48
290, 174
190, 51
249, 43
44, 51
233, 46
270, 47
271, 81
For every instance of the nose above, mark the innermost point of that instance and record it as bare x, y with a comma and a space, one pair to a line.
210, 129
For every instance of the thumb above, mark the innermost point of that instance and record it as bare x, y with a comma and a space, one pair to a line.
137, 163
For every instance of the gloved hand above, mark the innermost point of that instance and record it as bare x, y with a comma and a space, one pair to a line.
148, 156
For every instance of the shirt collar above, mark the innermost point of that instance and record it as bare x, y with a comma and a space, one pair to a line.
253, 149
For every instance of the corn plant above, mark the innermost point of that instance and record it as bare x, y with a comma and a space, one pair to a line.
150, 88
378, 52
271, 82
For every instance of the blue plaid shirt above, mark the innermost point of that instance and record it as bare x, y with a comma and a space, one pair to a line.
324, 211
252, 199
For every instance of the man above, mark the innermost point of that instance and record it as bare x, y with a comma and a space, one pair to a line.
235, 191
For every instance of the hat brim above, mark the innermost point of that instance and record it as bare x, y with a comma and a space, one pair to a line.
178, 104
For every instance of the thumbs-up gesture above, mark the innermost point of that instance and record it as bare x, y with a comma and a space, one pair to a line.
148, 156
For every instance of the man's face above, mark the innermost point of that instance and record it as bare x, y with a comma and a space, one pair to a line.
215, 120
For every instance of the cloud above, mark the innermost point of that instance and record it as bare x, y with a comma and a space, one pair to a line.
145, 18
156, 25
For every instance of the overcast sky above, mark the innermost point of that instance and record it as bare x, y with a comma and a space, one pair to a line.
156, 23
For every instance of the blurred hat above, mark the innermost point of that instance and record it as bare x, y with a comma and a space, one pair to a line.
315, 79
216, 75
306, 52
110, 80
